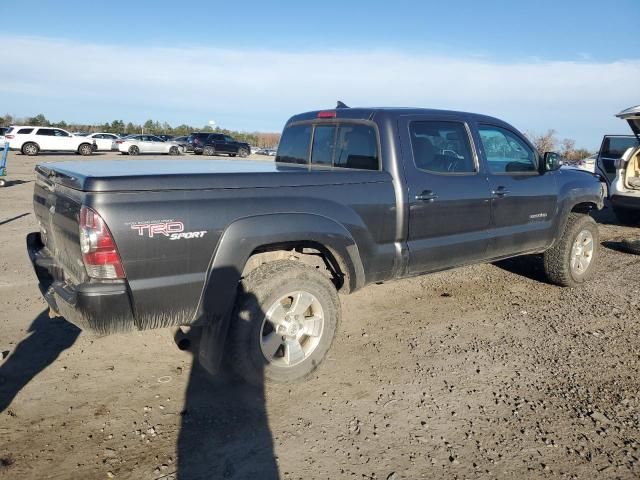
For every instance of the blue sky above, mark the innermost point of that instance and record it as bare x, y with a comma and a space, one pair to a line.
568, 65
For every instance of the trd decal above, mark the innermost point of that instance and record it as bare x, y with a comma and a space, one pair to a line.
172, 229
153, 229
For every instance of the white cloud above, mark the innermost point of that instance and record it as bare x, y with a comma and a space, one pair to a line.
253, 88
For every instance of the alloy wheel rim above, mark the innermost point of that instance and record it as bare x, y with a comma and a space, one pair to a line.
292, 329
582, 252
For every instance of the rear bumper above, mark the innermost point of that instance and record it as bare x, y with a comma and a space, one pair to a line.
624, 201
101, 308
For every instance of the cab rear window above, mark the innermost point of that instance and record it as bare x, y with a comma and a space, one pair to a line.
294, 145
336, 145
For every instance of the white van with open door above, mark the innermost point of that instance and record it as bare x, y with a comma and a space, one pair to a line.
619, 164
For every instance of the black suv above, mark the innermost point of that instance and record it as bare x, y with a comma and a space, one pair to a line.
195, 141
217, 143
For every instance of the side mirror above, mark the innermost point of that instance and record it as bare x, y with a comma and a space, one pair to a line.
552, 161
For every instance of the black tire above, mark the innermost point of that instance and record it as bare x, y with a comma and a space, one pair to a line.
30, 149
558, 259
627, 216
631, 245
134, 150
262, 289
209, 151
232, 154
85, 149
174, 151
243, 153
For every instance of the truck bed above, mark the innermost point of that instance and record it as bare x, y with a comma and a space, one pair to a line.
154, 175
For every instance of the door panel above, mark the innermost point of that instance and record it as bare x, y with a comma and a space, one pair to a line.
523, 201
449, 205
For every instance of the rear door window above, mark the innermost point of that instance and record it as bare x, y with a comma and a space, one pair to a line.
294, 144
49, 132
614, 147
25, 131
441, 147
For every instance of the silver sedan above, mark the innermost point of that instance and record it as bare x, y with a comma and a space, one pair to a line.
137, 144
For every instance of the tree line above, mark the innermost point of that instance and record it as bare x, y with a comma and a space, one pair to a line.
258, 139
549, 142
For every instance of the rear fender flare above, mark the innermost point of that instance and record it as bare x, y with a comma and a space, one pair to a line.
244, 236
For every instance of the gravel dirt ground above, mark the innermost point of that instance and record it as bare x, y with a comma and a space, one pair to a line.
480, 372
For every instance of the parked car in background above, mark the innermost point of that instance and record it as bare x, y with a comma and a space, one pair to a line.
2, 132
619, 162
253, 149
196, 141
138, 144
217, 143
611, 149
182, 141
31, 140
104, 141
588, 164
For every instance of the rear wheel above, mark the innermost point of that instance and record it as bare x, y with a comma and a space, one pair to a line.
174, 151
284, 323
627, 216
30, 149
571, 261
134, 150
209, 151
85, 149
243, 152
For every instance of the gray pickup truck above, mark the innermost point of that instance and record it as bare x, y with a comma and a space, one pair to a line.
256, 252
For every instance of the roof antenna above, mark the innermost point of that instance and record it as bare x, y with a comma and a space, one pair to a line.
341, 105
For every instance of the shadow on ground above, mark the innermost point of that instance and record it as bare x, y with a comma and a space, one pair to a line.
48, 338
224, 432
529, 266
11, 183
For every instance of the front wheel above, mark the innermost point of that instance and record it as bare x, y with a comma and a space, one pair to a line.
174, 151
571, 261
243, 153
209, 151
284, 323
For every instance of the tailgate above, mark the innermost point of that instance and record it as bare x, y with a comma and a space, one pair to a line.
57, 209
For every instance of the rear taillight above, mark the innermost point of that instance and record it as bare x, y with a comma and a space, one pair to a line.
9, 136
119, 141
99, 252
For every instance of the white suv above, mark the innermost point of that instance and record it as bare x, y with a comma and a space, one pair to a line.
620, 167
32, 140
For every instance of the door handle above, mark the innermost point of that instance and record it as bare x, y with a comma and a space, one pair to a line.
426, 196
500, 192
